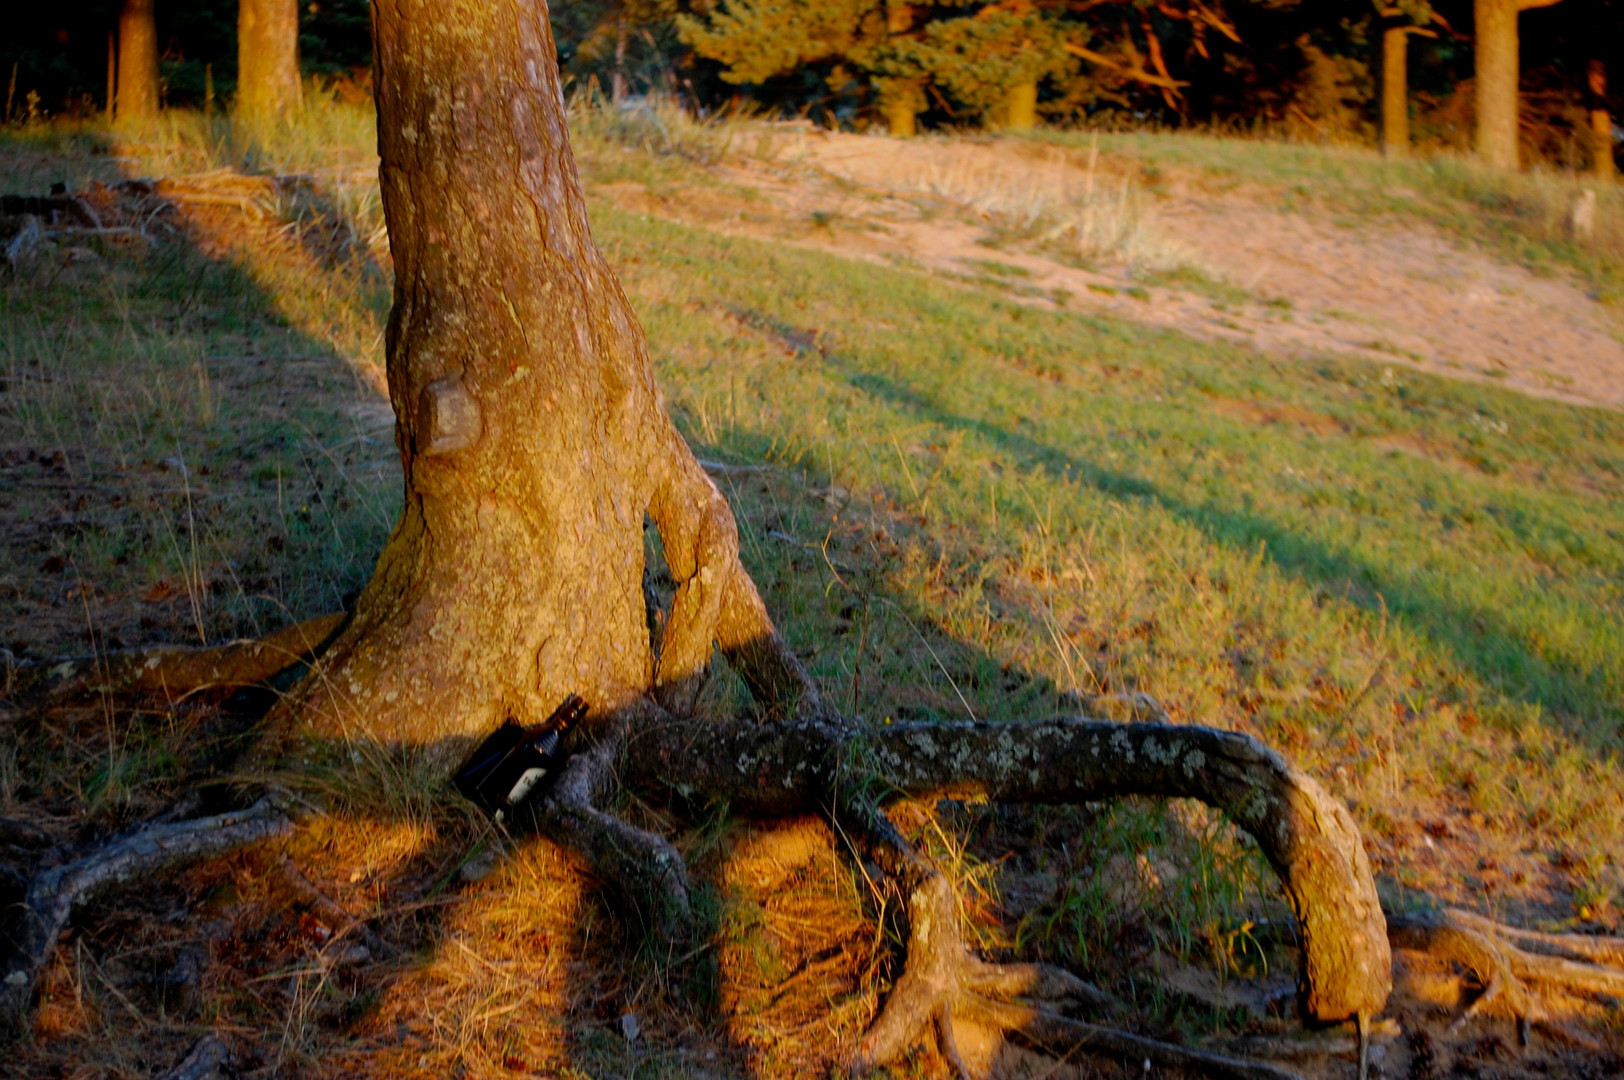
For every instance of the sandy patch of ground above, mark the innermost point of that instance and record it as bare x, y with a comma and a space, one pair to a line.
1066, 227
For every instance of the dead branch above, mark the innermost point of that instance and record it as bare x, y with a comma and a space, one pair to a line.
54, 894
168, 671
1135, 71
343, 923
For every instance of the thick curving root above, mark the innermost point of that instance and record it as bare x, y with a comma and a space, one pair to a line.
716, 601
821, 764
171, 672
948, 991
54, 894
1512, 963
643, 870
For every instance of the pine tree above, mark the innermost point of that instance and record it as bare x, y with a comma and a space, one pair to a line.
980, 58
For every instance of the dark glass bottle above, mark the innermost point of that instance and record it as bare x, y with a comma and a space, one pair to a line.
514, 763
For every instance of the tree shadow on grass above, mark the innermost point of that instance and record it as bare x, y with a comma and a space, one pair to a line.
1482, 641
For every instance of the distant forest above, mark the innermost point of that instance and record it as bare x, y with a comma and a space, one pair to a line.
1306, 68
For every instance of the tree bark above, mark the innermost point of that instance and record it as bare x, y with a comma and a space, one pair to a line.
112, 74
617, 82
1601, 124
1307, 836
1021, 107
1498, 69
137, 61
1395, 89
900, 119
531, 433
267, 60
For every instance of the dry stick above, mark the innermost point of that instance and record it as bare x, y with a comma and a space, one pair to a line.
333, 912
55, 894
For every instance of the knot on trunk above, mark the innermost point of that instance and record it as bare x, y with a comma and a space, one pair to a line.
448, 418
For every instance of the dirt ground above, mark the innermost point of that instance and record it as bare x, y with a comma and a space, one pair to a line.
1222, 261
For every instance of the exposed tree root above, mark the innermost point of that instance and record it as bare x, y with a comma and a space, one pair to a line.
54, 894
169, 671
805, 761
716, 602
1309, 838
643, 870
1511, 963
944, 986
818, 763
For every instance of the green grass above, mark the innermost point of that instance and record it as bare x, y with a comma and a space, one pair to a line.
1411, 586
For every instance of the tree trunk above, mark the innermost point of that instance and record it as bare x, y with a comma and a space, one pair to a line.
531, 433
617, 82
1601, 124
900, 118
1395, 90
1021, 107
137, 61
900, 99
1498, 70
267, 60
112, 74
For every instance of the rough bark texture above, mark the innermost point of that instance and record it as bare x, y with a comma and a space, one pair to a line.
137, 61
267, 60
1308, 837
531, 433
1601, 124
1395, 90
1498, 69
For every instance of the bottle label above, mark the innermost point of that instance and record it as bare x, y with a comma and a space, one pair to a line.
527, 781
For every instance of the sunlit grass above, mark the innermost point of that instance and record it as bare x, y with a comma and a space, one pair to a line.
1412, 587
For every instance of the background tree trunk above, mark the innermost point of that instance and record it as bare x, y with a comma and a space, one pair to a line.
900, 119
112, 74
137, 61
1395, 90
1601, 124
1021, 107
267, 60
1498, 70
532, 436
617, 83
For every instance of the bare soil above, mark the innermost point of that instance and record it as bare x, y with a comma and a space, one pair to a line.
1205, 257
